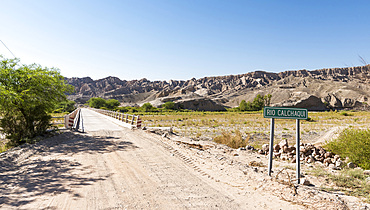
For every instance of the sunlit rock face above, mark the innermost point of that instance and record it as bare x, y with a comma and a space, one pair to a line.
323, 89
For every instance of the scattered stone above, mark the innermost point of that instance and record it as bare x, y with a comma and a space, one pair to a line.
286, 149
284, 157
310, 159
308, 154
265, 147
302, 150
245, 172
277, 154
331, 165
261, 152
351, 165
367, 172
338, 163
283, 143
336, 157
316, 152
306, 182
328, 161
328, 155
249, 147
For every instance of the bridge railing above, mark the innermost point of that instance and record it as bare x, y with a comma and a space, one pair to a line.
69, 119
130, 119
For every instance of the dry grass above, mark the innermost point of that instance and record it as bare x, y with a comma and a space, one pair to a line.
212, 124
351, 181
232, 140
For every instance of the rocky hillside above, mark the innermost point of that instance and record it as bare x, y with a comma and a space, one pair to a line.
337, 88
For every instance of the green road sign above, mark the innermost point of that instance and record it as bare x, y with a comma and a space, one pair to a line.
285, 113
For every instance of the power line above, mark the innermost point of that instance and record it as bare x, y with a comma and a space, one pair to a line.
7, 48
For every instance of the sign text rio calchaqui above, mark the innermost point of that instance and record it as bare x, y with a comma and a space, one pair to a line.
285, 113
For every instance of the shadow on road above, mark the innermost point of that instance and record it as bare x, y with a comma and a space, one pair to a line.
93, 144
49, 170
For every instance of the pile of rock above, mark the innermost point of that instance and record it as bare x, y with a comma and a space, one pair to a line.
308, 153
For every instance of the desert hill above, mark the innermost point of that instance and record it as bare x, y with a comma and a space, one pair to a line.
323, 89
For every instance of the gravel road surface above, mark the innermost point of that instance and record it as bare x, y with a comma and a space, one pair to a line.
112, 167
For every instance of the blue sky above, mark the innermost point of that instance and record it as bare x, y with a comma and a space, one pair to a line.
182, 39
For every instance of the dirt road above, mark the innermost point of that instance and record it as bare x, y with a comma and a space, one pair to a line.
111, 167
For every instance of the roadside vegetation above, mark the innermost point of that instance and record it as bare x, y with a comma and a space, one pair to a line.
65, 107
232, 139
211, 124
354, 144
258, 103
28, 96
100, 103
352, 182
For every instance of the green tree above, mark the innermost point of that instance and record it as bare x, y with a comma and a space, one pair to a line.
267, 99
257, 104
169, 105
112, 103
147, 107
244, 106
65, 106
354, 144
97, 103
28, 93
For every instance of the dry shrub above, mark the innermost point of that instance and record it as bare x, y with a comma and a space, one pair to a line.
232, 140
355, 144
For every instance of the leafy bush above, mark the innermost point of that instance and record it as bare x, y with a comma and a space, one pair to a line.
112, 103
147, 107
169, 105
257, 104
355, 144
122, 109
65, 106
97, 102
346, 114
28, 93
232, 140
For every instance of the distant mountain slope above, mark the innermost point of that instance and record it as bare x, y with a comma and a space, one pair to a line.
336, 88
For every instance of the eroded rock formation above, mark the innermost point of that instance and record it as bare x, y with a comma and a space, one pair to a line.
337, 88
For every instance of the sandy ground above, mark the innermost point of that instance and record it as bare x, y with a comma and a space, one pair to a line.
112, 167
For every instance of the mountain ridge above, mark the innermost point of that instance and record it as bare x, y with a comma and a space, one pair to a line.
289, 88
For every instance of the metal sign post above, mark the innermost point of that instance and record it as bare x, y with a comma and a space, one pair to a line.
285, 113
272, 128
297, 153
